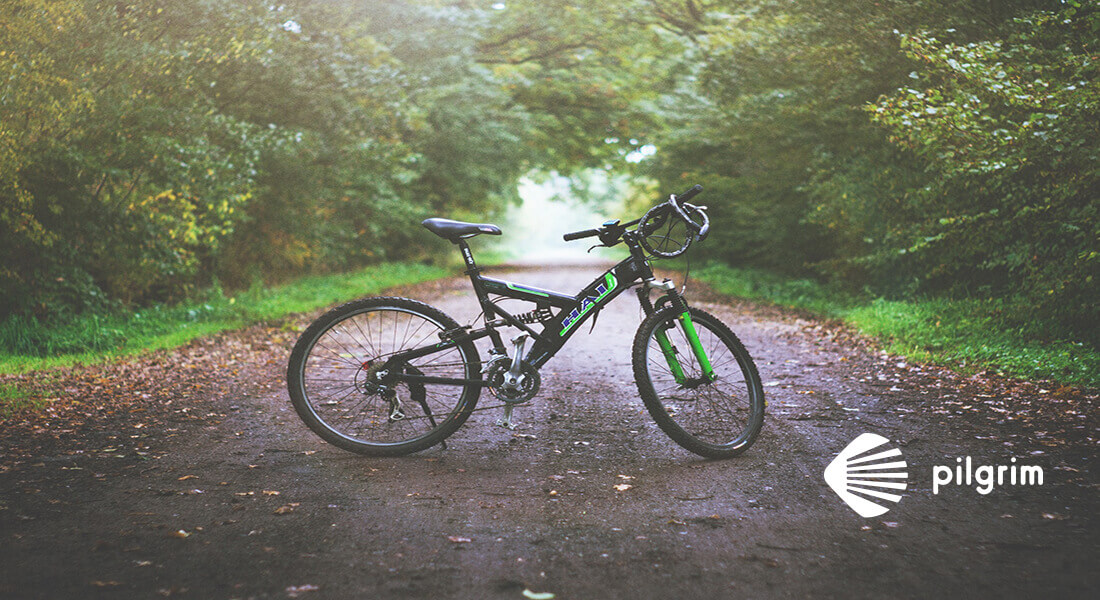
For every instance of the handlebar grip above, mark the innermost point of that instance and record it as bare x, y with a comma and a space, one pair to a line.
688, 195
576, 235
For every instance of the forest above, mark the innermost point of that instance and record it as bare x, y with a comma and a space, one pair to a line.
151, 150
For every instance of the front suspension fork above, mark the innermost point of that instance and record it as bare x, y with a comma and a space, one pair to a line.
690, 333
696, 346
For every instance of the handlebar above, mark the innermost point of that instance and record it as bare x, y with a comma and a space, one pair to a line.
577, 235
693, 216
688, 195
700, 224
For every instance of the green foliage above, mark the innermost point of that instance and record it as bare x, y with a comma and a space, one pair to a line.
970, 335
14, 400
979, 334
27, 343
766, 105
584, 72
894, 148
147, 148
902, 148
136, 178
789, 292
1009, 131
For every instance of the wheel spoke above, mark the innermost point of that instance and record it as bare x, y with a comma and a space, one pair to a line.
338, 397
716, 418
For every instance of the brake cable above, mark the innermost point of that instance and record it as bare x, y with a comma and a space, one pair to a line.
687, 275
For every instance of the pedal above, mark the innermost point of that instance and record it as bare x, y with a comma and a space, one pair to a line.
506, 422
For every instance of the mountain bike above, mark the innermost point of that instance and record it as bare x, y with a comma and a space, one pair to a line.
390, 376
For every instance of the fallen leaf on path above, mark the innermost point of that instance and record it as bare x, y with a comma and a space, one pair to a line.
186, 477
286, 508
458, 540
180, 533
622, 487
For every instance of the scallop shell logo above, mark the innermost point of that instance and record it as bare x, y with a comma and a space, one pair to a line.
854, 474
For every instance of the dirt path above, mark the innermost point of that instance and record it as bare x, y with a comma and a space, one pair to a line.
230, 496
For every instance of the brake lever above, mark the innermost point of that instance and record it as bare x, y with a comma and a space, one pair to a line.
604, 246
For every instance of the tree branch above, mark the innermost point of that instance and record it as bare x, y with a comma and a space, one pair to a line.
526, 31
539, 55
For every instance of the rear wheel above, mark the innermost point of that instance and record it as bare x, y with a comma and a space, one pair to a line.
333, 385
716, 416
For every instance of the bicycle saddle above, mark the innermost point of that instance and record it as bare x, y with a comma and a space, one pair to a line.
453, 230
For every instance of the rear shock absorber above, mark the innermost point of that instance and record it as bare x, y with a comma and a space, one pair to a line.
539, 315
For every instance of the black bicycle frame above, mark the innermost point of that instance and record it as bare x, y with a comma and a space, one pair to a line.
571, 312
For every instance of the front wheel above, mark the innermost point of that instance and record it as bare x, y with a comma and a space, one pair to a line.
332, 379
704, 393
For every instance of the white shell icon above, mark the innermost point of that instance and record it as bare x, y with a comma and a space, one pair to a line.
851, 473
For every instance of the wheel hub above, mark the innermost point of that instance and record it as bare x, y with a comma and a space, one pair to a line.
369, 377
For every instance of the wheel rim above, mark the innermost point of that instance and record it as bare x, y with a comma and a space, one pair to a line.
718, 414
335, 385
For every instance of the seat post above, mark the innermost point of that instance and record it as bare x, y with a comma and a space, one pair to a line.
471, 266
474, 272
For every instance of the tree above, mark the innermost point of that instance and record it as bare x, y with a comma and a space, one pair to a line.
1008, 129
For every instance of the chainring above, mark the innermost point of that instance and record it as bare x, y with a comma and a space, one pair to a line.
529, 378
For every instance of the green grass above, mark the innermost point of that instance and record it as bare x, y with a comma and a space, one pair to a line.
968, 335
14, 400
755, 284
30, 345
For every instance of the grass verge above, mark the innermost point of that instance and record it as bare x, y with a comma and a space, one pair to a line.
967, 335
15, 400
30, 345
